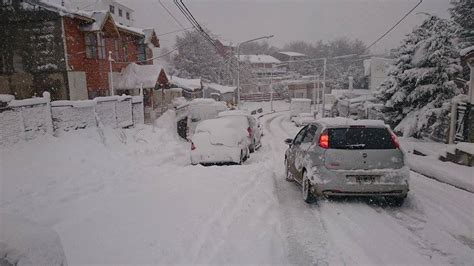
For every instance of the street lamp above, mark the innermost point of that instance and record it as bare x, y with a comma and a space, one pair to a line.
238, 64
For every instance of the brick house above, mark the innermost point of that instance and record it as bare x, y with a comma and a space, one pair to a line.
45, 47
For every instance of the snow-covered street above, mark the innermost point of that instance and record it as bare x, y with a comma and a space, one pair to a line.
132, 197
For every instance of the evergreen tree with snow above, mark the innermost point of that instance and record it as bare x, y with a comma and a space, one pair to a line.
462, 12
421, 84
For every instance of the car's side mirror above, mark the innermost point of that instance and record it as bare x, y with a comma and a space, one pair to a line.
288, 141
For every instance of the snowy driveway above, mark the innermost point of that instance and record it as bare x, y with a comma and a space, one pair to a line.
132, 198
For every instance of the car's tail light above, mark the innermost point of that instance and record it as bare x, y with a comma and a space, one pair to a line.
394, 139
193, 147
249, 130
324, 140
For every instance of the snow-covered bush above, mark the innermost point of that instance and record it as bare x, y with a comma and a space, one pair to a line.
421, 84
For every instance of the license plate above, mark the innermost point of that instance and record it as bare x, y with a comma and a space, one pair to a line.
364, 179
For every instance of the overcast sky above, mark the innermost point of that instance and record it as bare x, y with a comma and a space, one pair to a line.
290, 20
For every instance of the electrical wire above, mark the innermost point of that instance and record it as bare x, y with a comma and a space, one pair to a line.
185, 29
393, 27
171, 15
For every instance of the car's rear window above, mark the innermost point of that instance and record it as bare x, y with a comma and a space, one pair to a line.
360, 138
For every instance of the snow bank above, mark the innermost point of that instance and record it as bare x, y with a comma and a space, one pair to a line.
6, 98
24, 243
465, 147
447, 172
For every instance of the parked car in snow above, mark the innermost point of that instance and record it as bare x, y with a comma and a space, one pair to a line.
299, 105
218, 141
304, 119
345, 157
246, 121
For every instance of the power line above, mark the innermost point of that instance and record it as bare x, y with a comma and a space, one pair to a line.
169, 12
189, 16
185, 29
393, 27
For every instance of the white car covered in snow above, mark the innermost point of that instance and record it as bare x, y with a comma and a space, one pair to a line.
245, 121
304, 119
218, 141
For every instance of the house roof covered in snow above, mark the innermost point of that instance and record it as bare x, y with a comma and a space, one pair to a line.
292, 54
96, 20
134, 76
220, 88
259, 58
187, 84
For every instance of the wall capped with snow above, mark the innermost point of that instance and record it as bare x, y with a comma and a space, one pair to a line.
73, 115
137, 110
123, 109
26, 119
12, 129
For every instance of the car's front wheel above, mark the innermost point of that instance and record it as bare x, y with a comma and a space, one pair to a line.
308, 195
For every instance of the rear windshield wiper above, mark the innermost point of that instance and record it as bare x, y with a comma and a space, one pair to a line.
355, 146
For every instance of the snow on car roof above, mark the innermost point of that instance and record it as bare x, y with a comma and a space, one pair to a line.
233, 112
300, 100
343, 121
222, 131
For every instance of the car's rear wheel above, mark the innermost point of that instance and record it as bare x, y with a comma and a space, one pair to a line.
288, 175
395, 201
252, 146
308, 195
241, 160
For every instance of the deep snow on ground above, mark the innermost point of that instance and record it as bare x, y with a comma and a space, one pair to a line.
132, 197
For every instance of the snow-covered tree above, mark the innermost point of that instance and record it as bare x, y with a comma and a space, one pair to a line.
421, 81
198, 58
462, 12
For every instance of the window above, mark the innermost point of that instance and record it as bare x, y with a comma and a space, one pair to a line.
91, 45
95, 45
120, 12
117, 50
101, 46
299, 137
125, 53
112, 9
128, 15
360, 138
141, 53
310, 133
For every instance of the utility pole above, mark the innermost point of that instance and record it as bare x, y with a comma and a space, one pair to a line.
324, 88
111, 85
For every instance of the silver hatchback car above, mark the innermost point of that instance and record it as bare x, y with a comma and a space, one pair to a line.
345, 157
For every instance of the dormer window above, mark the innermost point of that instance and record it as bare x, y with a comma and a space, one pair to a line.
112, 9
120, 12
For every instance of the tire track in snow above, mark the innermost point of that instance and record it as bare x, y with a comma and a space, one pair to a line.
215, 236
305, 232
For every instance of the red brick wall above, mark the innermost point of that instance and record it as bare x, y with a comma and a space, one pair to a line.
97, 70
